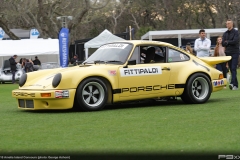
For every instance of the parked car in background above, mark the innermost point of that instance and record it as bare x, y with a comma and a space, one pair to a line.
49, 65
6, 74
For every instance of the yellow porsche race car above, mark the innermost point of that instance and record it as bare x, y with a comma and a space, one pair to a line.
123, 71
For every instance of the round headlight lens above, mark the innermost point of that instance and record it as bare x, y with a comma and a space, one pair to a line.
56, 80
22, 80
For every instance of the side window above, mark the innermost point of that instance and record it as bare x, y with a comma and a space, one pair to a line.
135, 55
176, 56
149, 54
160, 54
152, 54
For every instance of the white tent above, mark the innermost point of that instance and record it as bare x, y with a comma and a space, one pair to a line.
47, 50
190, 33
102, 38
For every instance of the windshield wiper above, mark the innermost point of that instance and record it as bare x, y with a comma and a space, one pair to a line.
113, 61
100, 61
94, 61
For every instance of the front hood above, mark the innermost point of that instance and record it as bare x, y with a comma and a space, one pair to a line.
215, 60
43, 79
71, 76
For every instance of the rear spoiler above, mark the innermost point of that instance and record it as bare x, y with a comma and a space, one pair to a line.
215, 60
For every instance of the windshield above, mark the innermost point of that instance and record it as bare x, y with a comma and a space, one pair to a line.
111, 53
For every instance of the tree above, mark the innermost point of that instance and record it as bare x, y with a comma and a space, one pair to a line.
41, 14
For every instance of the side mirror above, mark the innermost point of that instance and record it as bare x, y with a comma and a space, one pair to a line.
132, 62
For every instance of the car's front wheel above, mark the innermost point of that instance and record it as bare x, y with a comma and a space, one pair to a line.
91, 94
198, 89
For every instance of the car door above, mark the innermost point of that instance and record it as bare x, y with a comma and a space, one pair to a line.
143, 80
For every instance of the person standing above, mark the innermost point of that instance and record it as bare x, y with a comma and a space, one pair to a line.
231, 42
74, 60
202, 45
13, 67
37, 61
189, 48
28, 66
220, 51
23, 64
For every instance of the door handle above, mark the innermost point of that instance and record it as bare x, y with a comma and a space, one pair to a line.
166, 68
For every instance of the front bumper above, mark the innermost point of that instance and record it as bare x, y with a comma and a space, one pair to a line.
219, 84
33, 100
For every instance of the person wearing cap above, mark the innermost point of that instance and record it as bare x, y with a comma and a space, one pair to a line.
74, 60
13, 67
37, 61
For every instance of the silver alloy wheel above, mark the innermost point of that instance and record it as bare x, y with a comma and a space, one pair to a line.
93, 94
200, 88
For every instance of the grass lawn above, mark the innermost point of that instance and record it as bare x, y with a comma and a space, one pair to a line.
166, 127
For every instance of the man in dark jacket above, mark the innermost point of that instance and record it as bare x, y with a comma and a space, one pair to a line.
37, 61
230, 41
74, 60
13, 67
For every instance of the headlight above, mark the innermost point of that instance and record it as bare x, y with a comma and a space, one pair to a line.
56, 80
22, 80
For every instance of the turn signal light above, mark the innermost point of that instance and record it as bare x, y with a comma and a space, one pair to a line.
45, 94
220, 76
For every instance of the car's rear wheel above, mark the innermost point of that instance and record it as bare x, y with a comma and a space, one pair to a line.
198, 89
92, 94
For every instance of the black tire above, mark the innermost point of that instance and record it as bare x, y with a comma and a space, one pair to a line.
185, 98
91, 94
197, 90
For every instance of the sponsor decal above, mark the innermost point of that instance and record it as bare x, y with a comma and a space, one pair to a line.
112, 72
62, 94
24, 94
148, 88
218, 82
144, 88
141, 71
115, 45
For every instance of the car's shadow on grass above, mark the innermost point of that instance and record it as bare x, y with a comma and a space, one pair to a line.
124, 105
143, 104
130, 105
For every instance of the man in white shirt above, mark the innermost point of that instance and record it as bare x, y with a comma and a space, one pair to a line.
202, 45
